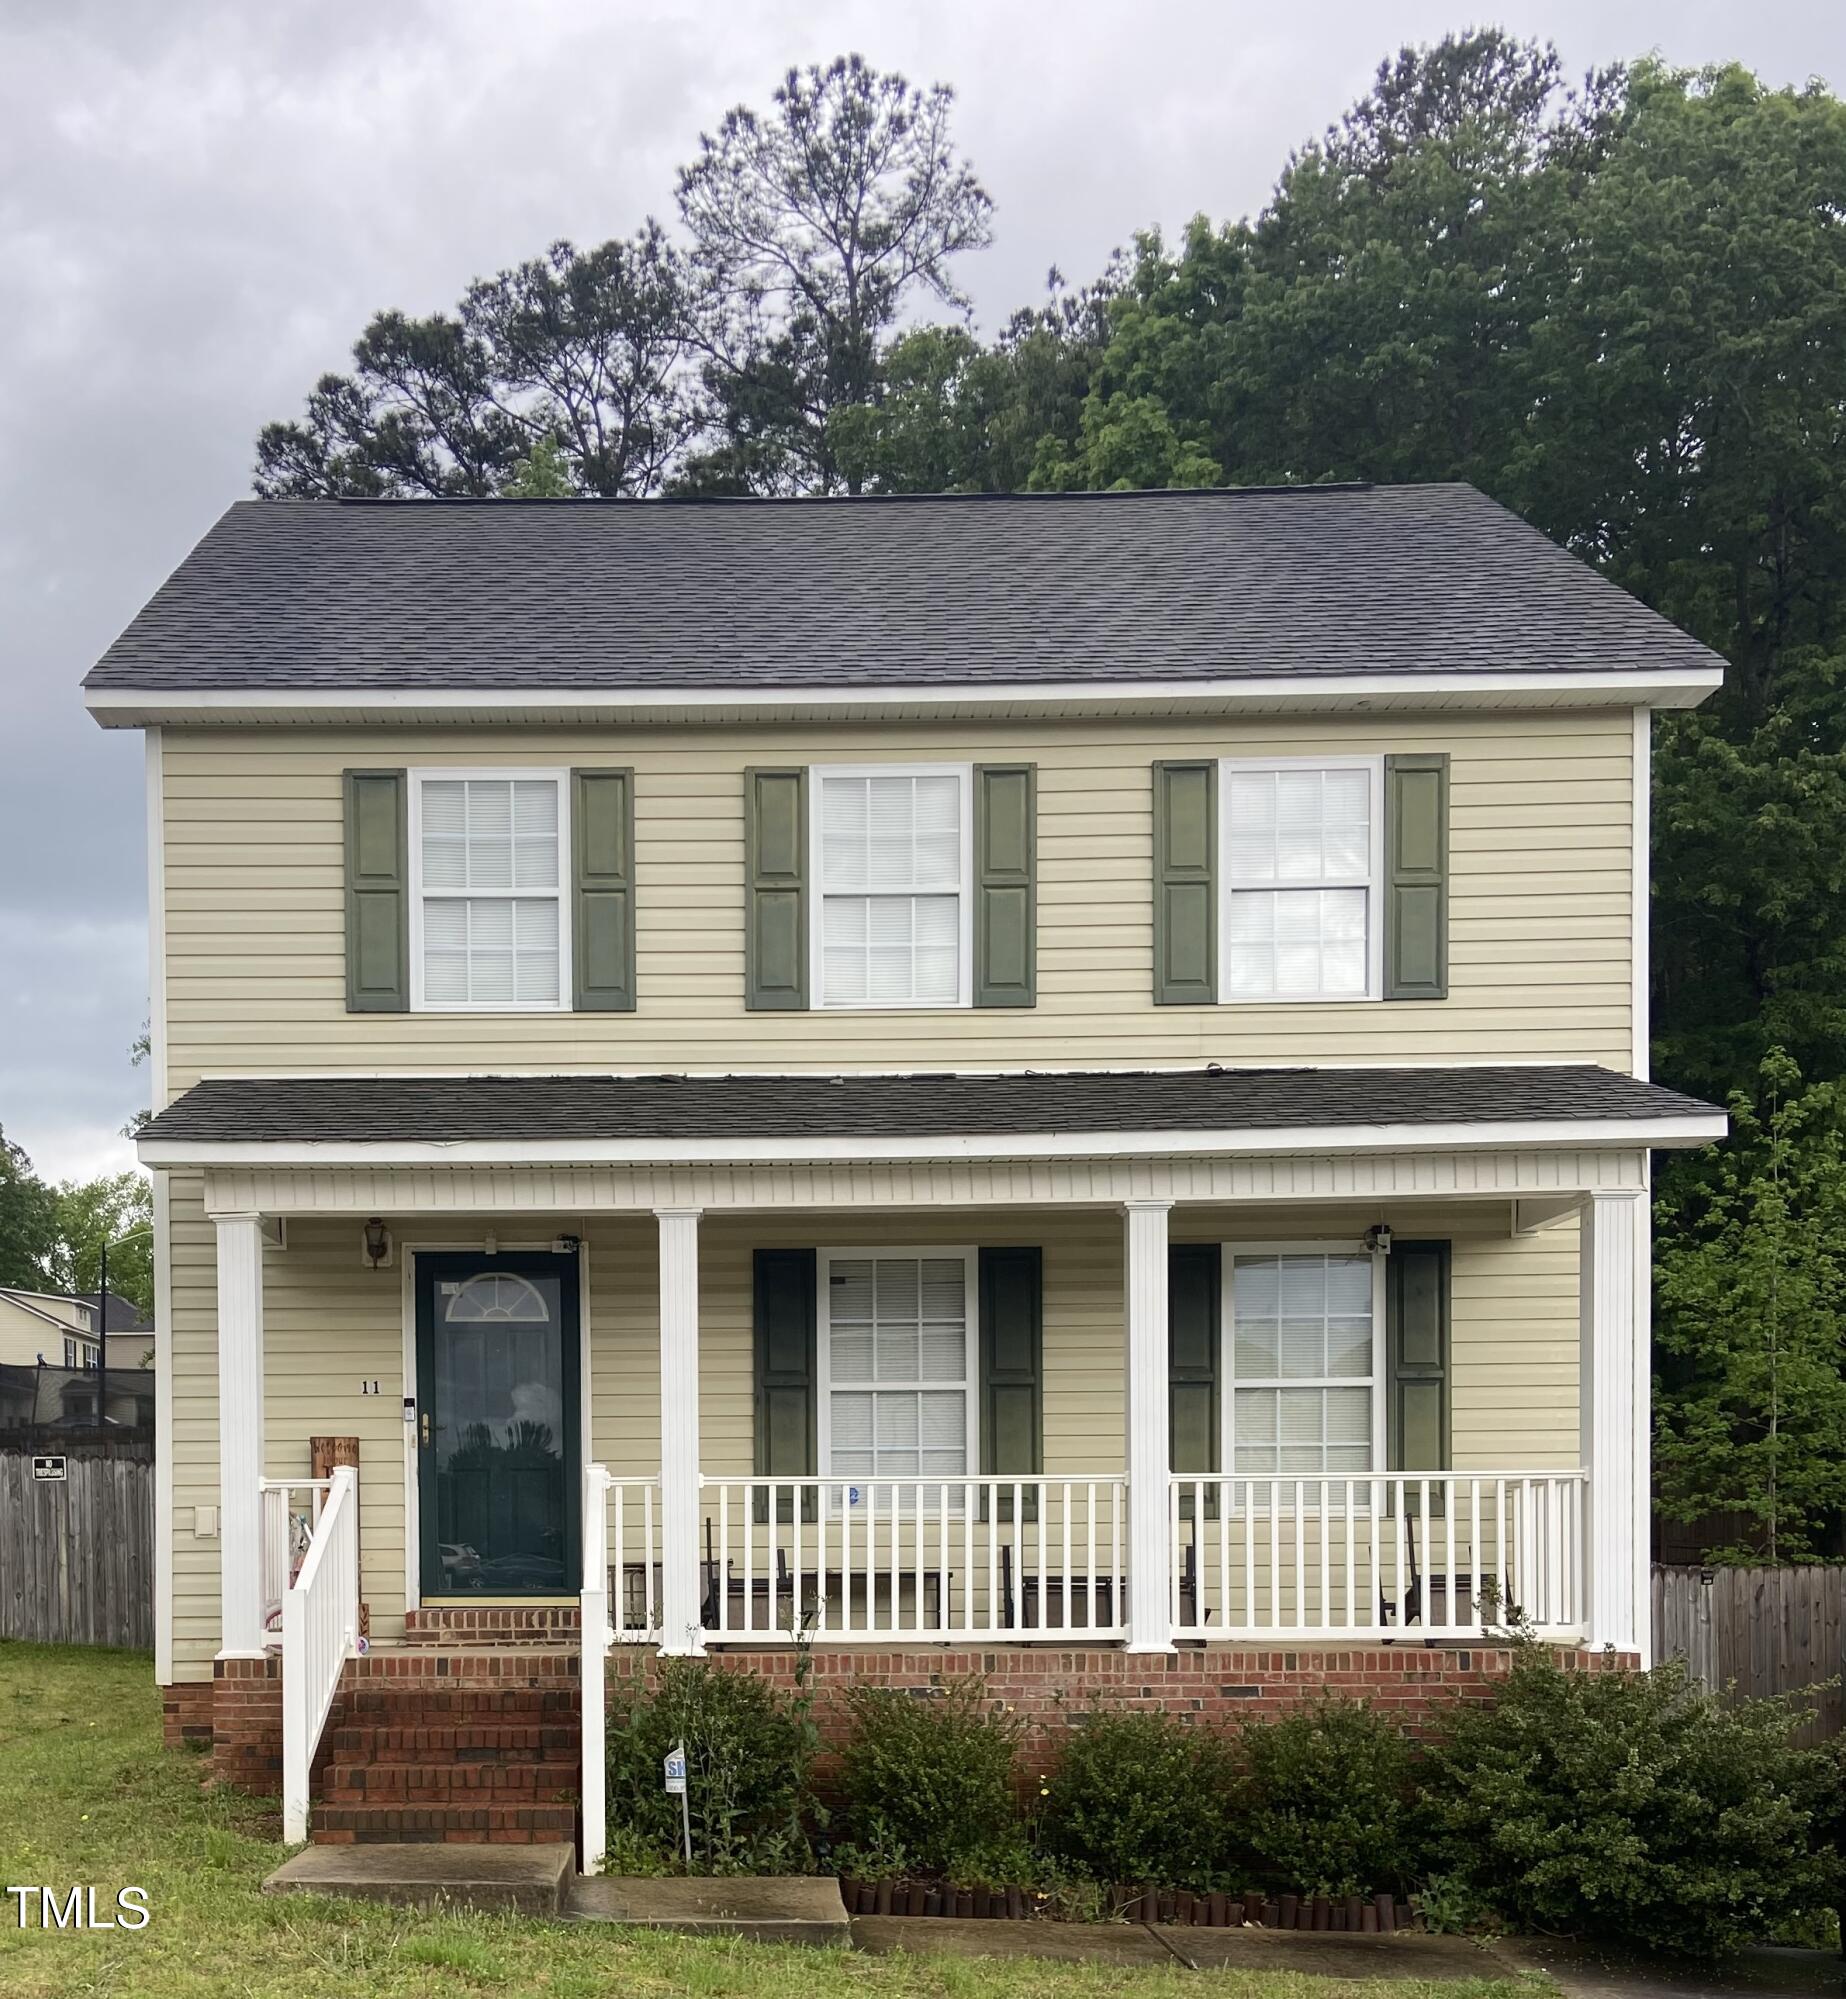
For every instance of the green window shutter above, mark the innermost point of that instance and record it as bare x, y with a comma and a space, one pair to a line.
1417, 1357
602, 825
1005, 885
1194, 1311
776, 912
784, 1327
1012, 1309
1185, 884
377, 891
1416, 936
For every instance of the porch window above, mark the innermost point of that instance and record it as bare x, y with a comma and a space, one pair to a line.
891, 864
1301, 858
1303, 1365
488, 925
897, 1371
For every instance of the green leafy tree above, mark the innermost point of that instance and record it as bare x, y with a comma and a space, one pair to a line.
954, 415
1750, 1271
543, 474
117, 1209
581, 351
27, 1220
813, 227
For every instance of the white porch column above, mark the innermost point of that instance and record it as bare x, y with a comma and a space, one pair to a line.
679, 1430
1614, 1390
240, 1435
1150, 1559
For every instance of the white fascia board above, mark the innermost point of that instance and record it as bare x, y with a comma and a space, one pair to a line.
121, 707
1629, 1133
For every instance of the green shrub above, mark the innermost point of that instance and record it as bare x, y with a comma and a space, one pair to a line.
1325, 1806
1138, 1797
1625, 1806
928, 1782
748, 1748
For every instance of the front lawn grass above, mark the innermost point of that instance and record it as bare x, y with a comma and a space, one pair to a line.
88, 1796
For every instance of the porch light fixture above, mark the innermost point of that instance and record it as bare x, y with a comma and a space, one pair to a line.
1378, 1239
377, 1243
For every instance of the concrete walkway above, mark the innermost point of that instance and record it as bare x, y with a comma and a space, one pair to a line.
787, 1908
1406, 1955
1584, 1973
529, 1880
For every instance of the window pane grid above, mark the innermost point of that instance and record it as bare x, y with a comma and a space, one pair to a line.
490, 891
890, 867
1302, 1370
897, 1366
1299, 865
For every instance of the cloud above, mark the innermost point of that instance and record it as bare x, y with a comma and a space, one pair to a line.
202, 200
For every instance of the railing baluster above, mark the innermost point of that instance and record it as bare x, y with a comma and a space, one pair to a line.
1475, 1544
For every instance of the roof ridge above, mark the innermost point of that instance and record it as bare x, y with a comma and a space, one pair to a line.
1016, 495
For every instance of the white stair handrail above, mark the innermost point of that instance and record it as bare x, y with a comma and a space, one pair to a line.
320, 1632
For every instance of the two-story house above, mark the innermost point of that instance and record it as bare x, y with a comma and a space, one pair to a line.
1057, 1083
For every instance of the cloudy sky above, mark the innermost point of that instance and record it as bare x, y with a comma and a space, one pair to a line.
201, 203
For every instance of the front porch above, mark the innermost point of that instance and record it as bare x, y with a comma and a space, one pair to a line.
676, 1545
1121, 1394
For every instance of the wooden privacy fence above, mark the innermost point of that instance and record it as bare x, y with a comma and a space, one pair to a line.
1762, 1631
77, 1552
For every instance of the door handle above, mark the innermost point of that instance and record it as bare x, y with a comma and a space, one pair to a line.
426, 1429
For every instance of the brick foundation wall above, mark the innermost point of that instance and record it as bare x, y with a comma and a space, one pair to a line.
239, 1711
186, 1714
1049, 1686
247, 1724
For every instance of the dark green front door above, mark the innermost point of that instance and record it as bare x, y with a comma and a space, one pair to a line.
497, 1424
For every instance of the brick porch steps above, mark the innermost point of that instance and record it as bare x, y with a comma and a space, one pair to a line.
445, 1783
543, 1742
496, 1825
441, 1625
472, 1744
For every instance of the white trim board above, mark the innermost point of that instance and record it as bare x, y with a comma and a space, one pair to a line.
1289, 1180
1626, 1133
1675, 687
1641, 880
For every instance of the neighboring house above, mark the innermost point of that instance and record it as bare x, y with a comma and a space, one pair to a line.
48, 1327
128, 1333
941, 1073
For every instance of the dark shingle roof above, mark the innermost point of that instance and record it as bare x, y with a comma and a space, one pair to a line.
589, 596
353, 1110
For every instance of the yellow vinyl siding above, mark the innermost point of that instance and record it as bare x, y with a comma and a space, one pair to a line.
331, 1324
1541, 903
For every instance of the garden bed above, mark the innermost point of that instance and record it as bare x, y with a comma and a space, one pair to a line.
1350, 1915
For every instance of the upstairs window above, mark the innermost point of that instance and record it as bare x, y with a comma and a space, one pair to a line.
1301, 864
891, 850
488, 921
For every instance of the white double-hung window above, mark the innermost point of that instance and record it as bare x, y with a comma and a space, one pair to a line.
894, 919
1303, 1380
897, 1363
1302, 844
488, 914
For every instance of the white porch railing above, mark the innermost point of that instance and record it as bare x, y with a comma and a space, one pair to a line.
620, 1603
291, 1510
1019, 1559
320, 1632
1442, 1555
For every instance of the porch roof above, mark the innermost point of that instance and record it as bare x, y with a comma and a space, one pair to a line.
1020, 1114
